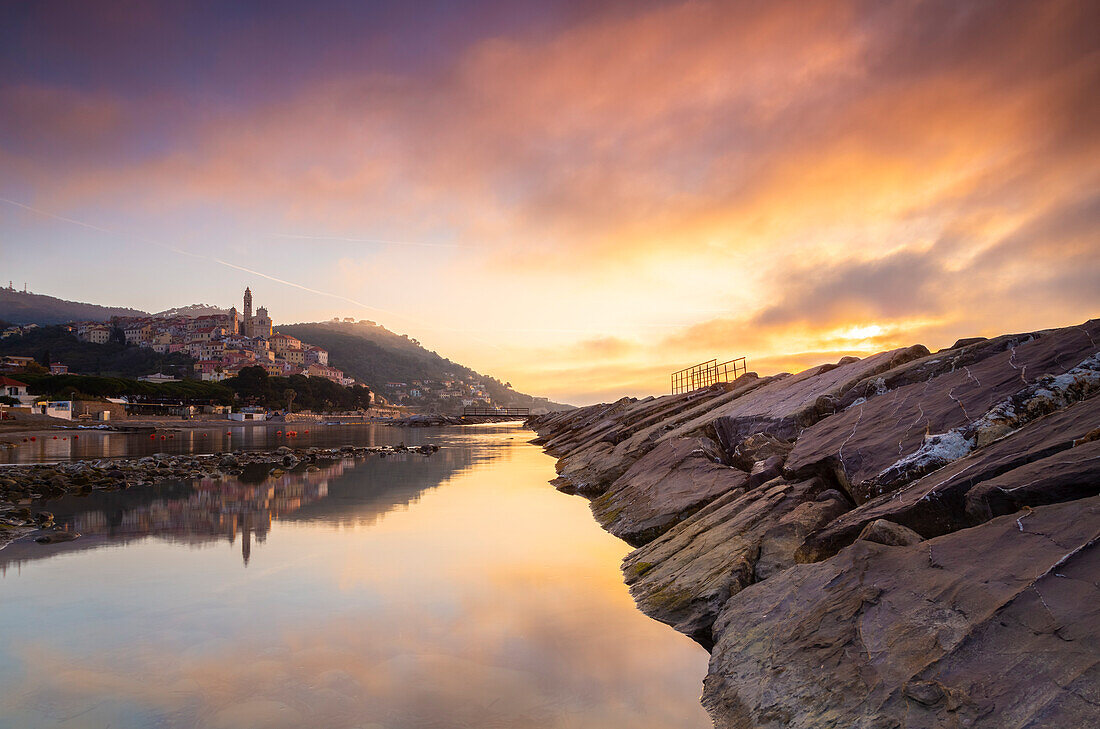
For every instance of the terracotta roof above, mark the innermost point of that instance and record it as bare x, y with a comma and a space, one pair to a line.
9, 382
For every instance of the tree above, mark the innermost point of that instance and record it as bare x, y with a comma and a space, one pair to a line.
290, 395
252, 382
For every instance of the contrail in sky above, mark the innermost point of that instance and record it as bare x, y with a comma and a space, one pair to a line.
200, 256
413, 322
57, 217
368, 240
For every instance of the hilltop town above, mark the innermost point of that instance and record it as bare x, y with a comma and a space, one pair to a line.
211, 344
221, 344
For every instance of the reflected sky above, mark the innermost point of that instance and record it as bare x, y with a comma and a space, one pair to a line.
433, 593
61, 445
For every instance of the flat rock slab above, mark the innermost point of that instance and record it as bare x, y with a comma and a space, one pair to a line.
937, 503
784, 405
868, 437
609, 441
685, 576
989, 627
669, 483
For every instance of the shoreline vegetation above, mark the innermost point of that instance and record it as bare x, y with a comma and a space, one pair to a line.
251, 386
905, 540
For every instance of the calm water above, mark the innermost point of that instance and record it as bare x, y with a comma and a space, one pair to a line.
61, 445
454, 591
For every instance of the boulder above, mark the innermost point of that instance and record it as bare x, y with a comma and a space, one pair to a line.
783, 407
591, 461
885, 532
759, 447
992, 626
685, 576
930, 396
938, 503
766, 470
895, 535
663, 487
781, 542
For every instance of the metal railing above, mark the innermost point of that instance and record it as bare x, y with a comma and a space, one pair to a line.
706, 374
496, 412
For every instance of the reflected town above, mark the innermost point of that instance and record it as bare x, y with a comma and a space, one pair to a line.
225, 509
405, 592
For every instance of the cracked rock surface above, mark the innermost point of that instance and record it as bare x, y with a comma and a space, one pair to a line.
907, 540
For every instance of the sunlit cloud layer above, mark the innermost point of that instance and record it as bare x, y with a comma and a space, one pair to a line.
576, 199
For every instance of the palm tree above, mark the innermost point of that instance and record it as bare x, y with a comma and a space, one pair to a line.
290, 395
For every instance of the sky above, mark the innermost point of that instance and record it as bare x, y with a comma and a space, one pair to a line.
574, 197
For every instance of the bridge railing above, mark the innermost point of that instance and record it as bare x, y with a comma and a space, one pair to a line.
477, 412
706, 374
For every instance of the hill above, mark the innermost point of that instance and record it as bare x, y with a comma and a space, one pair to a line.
376, 356
370, 353
26, 308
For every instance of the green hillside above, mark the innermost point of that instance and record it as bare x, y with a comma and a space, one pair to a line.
370, 353
20, 308
376, 356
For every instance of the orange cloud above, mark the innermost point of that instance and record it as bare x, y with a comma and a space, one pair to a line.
671, 183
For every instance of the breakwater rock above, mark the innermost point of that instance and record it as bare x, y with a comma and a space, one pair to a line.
20, 484
905, 540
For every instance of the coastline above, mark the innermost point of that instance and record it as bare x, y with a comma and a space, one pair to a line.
903, 540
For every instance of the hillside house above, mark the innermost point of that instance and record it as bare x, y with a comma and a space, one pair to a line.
16, 389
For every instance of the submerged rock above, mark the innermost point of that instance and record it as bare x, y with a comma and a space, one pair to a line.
56, 537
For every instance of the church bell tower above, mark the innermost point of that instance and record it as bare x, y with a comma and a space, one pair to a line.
247, 322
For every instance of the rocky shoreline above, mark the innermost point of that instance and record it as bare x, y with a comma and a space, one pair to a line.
906, 540
20, 484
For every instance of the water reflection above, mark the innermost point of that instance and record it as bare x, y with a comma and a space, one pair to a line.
347, 491
461, 593
66, 445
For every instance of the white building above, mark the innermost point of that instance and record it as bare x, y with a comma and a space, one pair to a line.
56, 409
16, 389
249, 414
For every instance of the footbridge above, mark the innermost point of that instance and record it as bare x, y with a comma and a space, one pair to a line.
476, 412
